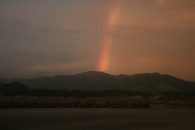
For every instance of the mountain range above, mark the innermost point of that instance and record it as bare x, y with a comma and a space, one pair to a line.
94, 80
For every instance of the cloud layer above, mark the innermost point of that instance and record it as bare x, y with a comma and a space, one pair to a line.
62, 37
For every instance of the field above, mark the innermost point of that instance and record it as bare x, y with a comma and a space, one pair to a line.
154, 118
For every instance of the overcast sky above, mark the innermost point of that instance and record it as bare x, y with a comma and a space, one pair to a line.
52, 37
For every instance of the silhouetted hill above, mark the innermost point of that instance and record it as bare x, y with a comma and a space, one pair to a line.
3, 80
94, 80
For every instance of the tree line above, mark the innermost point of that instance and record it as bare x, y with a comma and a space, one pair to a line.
17, 95
18, 89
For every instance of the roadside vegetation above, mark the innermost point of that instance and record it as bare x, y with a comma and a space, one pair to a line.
16, 95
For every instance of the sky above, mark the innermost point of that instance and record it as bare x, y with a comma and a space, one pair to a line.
56, 37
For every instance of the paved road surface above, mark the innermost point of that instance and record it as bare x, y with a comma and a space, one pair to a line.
98, 119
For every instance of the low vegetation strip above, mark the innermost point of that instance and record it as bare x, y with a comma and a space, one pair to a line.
89, 102
72, 102
15, 95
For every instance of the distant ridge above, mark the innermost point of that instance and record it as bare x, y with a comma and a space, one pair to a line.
95, 80
93, 73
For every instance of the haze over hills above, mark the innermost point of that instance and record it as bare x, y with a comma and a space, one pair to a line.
94, 80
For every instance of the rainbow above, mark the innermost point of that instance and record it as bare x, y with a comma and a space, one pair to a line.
111, 21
